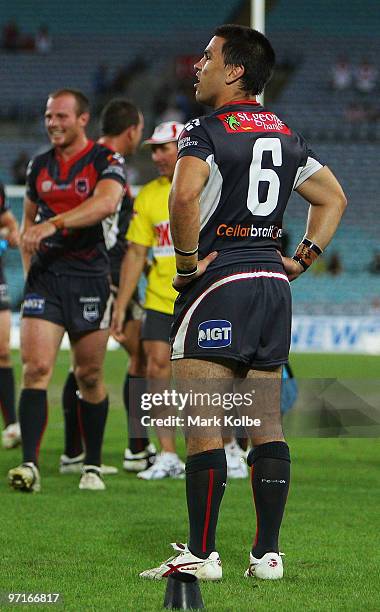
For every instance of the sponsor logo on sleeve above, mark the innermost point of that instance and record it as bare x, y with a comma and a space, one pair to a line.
186, 142
216, 333
33, 304
238, 122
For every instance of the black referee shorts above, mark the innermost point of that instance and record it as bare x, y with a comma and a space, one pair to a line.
241, 313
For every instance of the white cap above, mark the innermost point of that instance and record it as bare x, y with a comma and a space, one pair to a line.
168, 131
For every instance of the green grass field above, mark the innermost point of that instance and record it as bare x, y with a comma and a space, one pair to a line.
90, 546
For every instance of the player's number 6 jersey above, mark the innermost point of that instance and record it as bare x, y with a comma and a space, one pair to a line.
255, 162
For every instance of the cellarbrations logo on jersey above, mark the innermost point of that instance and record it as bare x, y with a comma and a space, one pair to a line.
240, 122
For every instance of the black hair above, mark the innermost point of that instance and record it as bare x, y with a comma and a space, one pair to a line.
118, 115
249, 48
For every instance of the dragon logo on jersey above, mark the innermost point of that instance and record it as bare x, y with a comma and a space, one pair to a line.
232, 122
82, 185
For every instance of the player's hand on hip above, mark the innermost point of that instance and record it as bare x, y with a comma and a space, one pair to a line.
292, 268
31, 239
179, 282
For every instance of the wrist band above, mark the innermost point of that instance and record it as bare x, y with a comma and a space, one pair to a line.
186, 253
58, 222
306, 252
187, 272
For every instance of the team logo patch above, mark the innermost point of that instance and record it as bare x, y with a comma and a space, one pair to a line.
214, 334
46, 186
82, 185
91, 312
236, 123
33, 304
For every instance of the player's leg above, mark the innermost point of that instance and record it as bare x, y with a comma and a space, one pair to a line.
155, 337
206, 476
140, 454
11, 433
73, 449
89, 352
269, 459
158, 374
37, 370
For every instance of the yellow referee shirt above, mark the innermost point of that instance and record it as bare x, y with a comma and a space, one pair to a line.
150, 227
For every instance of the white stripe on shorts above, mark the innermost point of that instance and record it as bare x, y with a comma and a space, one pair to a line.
179, 340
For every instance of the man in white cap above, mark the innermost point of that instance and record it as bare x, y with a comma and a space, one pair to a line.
149, 229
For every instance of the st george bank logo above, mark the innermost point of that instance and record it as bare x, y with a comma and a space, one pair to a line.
236, 123
216, 333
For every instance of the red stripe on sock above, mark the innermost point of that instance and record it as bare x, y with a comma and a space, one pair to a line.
208, 509
257, 518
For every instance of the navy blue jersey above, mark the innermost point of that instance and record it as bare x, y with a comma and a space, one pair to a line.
255, 162
57, 186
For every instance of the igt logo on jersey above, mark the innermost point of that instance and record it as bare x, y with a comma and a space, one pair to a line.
214, 334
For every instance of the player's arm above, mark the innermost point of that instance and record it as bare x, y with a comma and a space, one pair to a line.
131, 269
28, 219
101, 204
9, 228
327, 205
190, 176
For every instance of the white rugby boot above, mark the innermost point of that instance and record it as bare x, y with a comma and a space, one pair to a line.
184, 561
25, 477
138, 462
91, 479
166, 465
269, 567
11, 436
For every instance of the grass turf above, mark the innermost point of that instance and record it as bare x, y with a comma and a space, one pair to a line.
90, 546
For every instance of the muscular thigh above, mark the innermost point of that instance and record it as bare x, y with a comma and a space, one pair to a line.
210, 380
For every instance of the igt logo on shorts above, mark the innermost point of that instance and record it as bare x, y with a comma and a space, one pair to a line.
33, 304
214, 334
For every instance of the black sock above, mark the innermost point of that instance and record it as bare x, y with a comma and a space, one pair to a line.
93, 421
33, 419
270, 483
7, 395
137, 433
206, 477
73, 438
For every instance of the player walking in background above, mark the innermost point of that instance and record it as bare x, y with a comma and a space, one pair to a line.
149, 228
9, 233
121, 126
236, 170
71, 190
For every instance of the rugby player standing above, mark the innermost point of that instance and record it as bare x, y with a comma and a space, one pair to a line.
10, 436
121, 125
71, 189
236, 170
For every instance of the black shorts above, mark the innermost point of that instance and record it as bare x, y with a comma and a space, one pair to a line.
240, 313
78, 303
156, 326
5, 302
